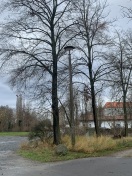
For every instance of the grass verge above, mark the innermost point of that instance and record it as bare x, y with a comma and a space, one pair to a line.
14, 134
85, 147
48, 155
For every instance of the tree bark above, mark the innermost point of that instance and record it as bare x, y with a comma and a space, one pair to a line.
93, 97
94, 109
125, 115
55, 110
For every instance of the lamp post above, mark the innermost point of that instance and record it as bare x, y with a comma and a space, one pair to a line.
69, 49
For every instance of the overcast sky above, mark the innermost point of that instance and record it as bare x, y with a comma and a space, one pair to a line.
8, 97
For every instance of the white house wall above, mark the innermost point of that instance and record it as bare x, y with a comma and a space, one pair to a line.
113, 111
87, 124
106, 124
116, 111
111, 124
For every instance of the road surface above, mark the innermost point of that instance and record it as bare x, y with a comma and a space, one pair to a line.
13, 165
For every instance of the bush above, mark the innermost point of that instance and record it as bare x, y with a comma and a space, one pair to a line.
42, 131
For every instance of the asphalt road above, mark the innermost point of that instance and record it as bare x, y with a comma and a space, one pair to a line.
13, 165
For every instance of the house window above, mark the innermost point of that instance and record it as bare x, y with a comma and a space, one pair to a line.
118, 125
89, 125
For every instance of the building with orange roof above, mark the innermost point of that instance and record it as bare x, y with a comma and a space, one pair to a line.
112, 116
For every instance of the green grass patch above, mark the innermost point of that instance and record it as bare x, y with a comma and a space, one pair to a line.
14, 134
48, 155
85, 147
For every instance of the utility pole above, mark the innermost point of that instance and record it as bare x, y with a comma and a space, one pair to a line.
69, 48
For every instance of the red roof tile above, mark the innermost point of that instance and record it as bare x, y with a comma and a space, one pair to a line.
116, 104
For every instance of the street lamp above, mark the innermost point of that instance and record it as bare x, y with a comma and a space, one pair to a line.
69, 49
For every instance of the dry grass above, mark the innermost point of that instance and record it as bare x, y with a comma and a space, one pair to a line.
85, 147
37, 145
83, 144
91, 144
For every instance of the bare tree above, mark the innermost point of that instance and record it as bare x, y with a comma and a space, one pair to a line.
92, 37
99, 109
32, 42
127, 11
6, 118
121, 76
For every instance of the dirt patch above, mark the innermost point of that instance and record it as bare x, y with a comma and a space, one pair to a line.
121, 154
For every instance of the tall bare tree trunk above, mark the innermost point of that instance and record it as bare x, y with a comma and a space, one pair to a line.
56, 128
55, 110
125, 115
93, 101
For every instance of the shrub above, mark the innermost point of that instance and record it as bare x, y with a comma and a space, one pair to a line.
42, 131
